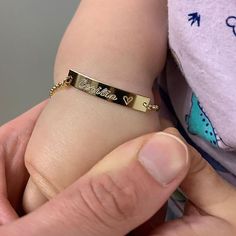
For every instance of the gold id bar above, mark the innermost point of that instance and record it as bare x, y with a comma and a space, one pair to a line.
111, 94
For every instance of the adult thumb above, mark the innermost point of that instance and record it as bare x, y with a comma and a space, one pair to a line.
121, 192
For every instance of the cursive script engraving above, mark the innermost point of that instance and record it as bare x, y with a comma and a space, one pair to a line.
102, 92
128, 100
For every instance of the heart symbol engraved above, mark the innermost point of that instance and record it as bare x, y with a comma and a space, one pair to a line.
128, 100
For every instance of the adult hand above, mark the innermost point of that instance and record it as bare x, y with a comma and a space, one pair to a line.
121, 192
211, 209
129, 186
14, 137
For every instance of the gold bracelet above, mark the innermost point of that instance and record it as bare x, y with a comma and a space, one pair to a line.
111, 94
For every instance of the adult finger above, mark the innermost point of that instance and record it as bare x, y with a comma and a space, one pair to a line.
7, 213
14, 137
23, 121
207, 190
121, 192
212, 199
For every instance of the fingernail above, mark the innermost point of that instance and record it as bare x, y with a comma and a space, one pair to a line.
164, 156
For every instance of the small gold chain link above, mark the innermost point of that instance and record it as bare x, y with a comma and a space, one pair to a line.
151, 107
56, 87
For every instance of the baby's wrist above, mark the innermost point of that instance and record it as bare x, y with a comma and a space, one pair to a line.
136, 97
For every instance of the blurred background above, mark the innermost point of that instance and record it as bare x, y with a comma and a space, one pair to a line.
30, 33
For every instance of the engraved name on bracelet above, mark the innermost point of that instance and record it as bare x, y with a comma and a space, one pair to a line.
93, 90
106, 92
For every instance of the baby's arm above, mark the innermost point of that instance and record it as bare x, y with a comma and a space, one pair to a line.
121, 43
